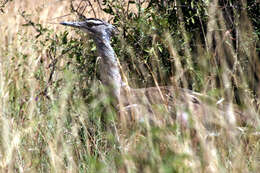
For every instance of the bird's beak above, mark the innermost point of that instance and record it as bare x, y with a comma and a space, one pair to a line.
72, 24
80, 25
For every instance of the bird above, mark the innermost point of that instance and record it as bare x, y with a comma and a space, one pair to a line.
137, 103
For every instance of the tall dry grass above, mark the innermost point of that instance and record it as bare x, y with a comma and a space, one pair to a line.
52, 112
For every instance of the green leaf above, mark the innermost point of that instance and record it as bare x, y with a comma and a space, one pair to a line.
109, 10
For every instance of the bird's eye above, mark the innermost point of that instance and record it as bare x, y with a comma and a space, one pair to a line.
89, 24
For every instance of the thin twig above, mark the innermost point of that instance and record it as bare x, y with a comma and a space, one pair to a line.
81, 16
60, 16
92, 8
53, 68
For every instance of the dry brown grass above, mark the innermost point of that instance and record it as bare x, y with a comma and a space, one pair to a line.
62, 133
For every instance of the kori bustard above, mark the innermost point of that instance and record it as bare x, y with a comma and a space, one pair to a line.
184, 102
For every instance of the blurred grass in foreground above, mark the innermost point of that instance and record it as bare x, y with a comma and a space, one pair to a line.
54, 117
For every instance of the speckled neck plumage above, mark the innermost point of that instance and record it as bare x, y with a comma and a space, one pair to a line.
109, 69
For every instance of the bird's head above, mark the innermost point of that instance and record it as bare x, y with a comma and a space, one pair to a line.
98, 29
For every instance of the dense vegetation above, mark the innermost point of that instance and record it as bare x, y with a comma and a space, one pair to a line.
54, 116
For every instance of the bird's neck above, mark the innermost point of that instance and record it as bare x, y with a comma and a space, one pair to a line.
109, 68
